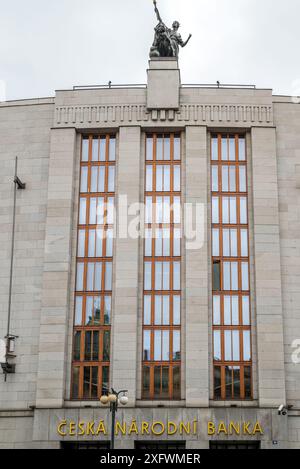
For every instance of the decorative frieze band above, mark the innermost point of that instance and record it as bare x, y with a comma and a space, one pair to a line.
81, 116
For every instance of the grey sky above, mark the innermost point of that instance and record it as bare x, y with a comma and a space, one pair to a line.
47, 45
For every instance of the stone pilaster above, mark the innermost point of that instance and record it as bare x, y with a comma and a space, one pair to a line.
270, 349
125, 314
197, 366
56, 275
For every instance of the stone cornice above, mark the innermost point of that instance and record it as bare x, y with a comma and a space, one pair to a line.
217, 115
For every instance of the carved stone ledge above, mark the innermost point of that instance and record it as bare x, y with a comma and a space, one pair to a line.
210, 114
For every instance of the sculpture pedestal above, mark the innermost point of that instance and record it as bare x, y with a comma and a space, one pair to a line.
163, 83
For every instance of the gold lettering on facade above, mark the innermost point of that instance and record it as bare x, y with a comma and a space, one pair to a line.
172, 428
133, 428
120, 428
156, 424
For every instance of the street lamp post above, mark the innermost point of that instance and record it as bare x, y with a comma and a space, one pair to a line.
113, 400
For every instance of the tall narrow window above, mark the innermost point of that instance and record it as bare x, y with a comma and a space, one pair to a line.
92, 318
162, 269
230, 269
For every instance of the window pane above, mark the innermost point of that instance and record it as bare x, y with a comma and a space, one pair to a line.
234, 276
242, 171
232, 149
149, 149
146, 352
98, 277
217, 382
176, 346
106, 346
215, 210
243, 211
236, 345
235, 310
233, 212
108, 276
245, 276
75, 382
111, 179
244, 243
246, 311
95, 151
214, 148
79, 277
95, 355
166, 310
232, 179
177, 242
247, 346
81, 243
176, 276
177, 178
224, 149
97, 310
147, 310
89, 311
77, 340
226, 276
158, 276
109, 243
177, 150
103, 149
105, 379
176, 211
159, 148
214, 179
93, 211
216, 243
225, 186
167, 179
217, 345
112, 149
216, 310
88, 346
228, 349
167, 148
101, 179
236, 382
110, 210
148, 210
247, 382
94, 387
146, 382
158, 311
226, 245
166, 275
78, 310
94, 179
92, 239
216, 276
225, 209
149, 176
107, 309
157, 345
166, 346
242, 149
82, 211
227, 311
176, 310
176, 382
86, 382
85, 149
90, 276
148, 275
84, 179
233, 243
165, 382
148, 242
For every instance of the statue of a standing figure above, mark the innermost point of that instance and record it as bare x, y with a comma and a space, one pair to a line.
166, 41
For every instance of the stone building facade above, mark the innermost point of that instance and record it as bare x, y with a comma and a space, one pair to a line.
200, 394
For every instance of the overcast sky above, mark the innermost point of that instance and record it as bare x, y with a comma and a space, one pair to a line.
54, 44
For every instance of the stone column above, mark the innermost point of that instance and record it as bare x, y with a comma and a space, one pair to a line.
197, 367
125, 313
56, 275
270, 348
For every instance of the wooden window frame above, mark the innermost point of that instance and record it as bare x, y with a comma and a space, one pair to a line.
170, 364
223, 364
101, 327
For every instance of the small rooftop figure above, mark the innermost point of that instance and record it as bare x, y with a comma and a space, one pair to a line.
166, 41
